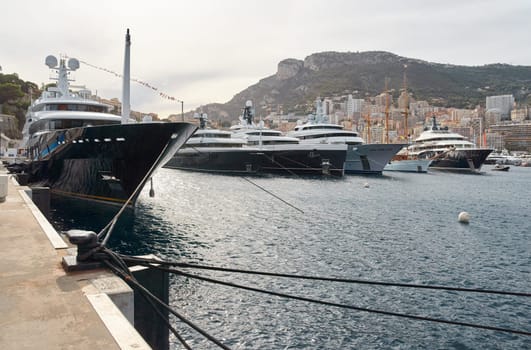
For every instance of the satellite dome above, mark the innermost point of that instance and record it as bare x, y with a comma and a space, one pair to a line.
51, 61
73, 64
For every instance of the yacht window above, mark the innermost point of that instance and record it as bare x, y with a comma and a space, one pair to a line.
316, 136
213, 144
75, 107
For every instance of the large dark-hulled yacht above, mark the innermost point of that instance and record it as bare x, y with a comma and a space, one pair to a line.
448, 150
79, 149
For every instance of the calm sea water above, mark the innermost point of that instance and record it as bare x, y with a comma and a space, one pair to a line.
401, 228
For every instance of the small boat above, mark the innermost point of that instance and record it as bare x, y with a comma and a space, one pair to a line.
409, 165
501, 167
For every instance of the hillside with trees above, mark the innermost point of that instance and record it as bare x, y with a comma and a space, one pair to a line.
15, 99
297, 83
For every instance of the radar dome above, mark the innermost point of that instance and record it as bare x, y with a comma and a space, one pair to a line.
73, 64
51, 61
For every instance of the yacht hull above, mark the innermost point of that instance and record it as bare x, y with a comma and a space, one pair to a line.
369, 158
409, 165
216, 160
304, 159
287, 159
103, 163
461, 160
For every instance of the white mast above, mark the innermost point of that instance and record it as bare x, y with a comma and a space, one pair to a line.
126, 104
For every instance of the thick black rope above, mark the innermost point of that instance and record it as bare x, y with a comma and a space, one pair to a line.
280, 165
106, 232
263, 189
344, 306
148, 262
272, 194
126, 272
133, 282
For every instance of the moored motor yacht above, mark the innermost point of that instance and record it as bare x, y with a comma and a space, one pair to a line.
361, 158
77, 148
250, 148
217, 151
447, 150
287, 154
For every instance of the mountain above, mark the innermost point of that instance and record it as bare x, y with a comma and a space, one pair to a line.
296, 84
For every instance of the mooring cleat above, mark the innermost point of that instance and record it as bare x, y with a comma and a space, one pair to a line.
86, 241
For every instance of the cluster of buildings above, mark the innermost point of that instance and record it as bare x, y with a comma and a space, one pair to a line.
381, 119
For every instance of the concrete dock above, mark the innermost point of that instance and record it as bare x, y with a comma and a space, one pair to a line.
42, 307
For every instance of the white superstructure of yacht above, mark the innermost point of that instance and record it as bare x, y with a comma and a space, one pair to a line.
361, 158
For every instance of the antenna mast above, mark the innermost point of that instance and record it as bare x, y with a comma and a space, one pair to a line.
126, 102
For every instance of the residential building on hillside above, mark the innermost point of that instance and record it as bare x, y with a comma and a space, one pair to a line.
519, 115
502, 103
354, 105
384, 98
405, 98
516, 136
328, 106
494, 141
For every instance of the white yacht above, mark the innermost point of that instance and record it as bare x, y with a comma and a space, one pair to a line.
504, 158
285, 153
448, 150
251, 148
361, 158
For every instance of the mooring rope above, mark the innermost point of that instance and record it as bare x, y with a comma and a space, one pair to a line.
149, 262
344, 306
272, 194
119, 267
108, 229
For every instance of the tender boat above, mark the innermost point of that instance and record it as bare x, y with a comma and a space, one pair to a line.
78, 149
361, 158
447, 150
500, 167
405, 163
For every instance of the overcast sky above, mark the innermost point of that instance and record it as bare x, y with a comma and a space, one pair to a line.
204, 51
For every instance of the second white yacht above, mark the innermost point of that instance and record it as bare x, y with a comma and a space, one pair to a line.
361, 158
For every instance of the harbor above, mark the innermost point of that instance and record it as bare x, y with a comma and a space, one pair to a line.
399, 227
221, 182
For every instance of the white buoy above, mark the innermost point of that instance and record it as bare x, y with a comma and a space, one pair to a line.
366, 185
463, 217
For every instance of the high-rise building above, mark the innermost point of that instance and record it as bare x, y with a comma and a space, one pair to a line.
354, 105
503, 103
328, 106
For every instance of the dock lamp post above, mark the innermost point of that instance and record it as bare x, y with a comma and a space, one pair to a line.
182, 109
